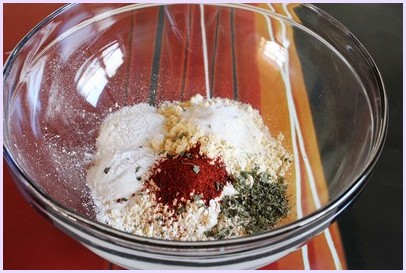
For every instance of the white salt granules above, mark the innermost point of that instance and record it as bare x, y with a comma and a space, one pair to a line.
133, 139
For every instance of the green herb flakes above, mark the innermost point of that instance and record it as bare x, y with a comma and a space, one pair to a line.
106, 170
181, 135
196, 169
185, 154
218, 234
258, 207
197, 197
180, 209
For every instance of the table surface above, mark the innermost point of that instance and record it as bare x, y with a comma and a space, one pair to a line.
368, 244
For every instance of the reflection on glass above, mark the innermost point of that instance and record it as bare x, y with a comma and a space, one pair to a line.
34, 87
274, 51
93, 75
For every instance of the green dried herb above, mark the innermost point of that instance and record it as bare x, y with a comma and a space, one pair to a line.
120, 200
218, 234
139, 178
106, 170
197, 197
218, 186
137, 169
260, 207
287, 160
196, 168
181, 135
180, 209
185, 154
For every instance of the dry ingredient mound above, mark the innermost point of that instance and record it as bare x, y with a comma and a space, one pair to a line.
224, 144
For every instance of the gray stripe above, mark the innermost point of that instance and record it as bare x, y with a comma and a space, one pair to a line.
157, 57
213, 58
186, 55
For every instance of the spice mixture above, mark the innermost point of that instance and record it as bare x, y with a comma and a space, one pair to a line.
198, 170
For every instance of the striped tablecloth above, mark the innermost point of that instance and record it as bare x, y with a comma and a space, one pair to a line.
25, 233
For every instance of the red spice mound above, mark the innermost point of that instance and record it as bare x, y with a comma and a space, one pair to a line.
187, 175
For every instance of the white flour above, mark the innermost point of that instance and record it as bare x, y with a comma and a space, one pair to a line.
124, 152
132, 139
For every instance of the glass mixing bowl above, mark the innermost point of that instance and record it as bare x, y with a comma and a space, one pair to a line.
87, 60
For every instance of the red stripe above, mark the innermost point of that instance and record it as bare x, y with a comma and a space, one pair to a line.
143, 43
272, 266
222, 79
195, 81
247, 69
173, 52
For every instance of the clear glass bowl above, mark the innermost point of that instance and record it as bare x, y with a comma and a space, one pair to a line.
86, 60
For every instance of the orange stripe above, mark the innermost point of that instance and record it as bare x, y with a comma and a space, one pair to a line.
293, 261
319, 252
319, 243
274, 108
335, 234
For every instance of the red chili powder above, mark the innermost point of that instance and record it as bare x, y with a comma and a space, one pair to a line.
187, 173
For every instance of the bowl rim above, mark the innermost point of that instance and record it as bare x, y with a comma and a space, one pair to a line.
333, 206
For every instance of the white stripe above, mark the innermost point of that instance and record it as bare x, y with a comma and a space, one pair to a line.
268, 22
310, 176
305, 255
286, 80
285, 42
285, 9
271, 7
291, 107
309, 171
205, 59
333, 249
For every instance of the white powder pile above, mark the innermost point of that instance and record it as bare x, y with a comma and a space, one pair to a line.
134, 138
123, 146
